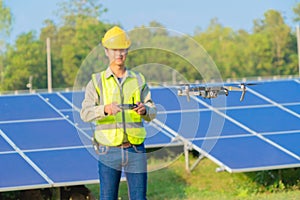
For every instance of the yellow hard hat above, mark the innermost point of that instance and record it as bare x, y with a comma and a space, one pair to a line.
116, 38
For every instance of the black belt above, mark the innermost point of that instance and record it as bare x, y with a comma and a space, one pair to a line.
125, 145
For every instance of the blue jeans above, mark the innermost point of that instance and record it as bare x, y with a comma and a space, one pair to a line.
134, 163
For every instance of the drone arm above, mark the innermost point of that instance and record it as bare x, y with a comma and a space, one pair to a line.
243, 95
224, 91
184, 92
243, 87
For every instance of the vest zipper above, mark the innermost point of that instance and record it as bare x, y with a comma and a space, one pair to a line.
123, 111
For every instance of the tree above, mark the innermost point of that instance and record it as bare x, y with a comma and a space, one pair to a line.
274, 36
221, 44
76, 34
5, 20
26, 60
159, 53
79, 34
50, 30
296, 10
5, 27
269, 50
70, 10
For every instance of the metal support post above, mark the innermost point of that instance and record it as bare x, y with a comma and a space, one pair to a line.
186, 156
49, 70
55, 193
298, 46
187, 148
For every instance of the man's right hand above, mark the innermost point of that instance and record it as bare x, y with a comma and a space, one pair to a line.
112, 109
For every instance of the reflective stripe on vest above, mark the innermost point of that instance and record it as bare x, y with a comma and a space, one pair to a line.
111, 130
116, 125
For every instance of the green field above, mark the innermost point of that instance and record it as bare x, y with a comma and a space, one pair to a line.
173, 182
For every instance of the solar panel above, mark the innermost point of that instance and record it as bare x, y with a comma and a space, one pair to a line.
199, 124
281, 91
288, 140
15, 108
63, 166
41, 133
294, 108
264, 122
250, 153
19, 174
57, 101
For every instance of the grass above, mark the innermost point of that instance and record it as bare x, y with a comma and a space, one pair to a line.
174, 183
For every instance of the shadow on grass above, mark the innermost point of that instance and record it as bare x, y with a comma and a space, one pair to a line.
276, 180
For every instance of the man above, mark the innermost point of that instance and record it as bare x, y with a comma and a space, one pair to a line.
118, 99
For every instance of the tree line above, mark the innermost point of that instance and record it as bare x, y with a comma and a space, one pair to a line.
269, 49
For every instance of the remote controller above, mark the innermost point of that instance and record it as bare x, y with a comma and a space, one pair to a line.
127, 106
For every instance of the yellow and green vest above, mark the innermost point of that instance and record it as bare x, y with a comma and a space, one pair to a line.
126, 125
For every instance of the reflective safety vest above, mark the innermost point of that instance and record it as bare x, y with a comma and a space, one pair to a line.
112, 129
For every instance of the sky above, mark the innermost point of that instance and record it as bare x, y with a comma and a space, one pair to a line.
183, 16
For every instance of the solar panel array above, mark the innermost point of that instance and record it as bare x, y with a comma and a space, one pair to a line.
43, 142
259, 133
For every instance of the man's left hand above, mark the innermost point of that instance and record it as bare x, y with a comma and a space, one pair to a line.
140, 109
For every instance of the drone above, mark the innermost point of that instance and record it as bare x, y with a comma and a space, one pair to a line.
212, 91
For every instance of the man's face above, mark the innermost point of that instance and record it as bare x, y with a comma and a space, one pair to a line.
116, 56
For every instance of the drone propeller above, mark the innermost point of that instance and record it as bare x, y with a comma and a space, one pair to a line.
249, 84
184, 91
187, 89
243, 87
